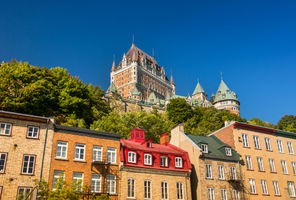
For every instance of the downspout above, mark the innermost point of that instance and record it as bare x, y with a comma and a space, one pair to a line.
44, 147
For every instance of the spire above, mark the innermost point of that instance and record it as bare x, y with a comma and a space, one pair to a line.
113, 66
224, 93
198, 89
172, 80
134, 56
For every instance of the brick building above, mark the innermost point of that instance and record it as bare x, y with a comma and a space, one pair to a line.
86, 155
25, 153
215, 166
270, 161
153, 171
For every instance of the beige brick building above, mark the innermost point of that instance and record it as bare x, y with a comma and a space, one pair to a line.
25, 152
215, 166
269, 168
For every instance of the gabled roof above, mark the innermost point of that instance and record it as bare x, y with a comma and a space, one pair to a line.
224, 93
216, 148
112, 88
152, 97
135, 91
198, 89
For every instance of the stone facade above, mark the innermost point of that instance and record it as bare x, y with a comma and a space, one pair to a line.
17, 144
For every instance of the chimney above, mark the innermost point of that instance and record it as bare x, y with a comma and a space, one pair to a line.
164, 138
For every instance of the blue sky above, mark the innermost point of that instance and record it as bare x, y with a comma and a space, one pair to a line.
252, 42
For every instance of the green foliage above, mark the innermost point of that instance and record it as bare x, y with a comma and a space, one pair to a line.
102, 197
259, 122
179, 110
288, 123
50, 92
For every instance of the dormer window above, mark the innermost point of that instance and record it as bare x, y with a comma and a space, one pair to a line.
228, 151
163, 161
178, 162
132, 157
204, 148
147, 159
149, 144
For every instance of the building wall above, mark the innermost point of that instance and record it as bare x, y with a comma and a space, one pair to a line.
16, 146
156, 177
87, 168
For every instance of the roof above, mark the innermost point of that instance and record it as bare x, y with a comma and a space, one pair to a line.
198, 89
112, 88
135, 91
216, 148
152, 98
87, 132
22, 116
224, 93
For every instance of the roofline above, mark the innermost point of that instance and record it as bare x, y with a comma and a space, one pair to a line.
231, 123
11, 114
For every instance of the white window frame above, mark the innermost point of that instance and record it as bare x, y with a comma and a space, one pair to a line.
111, 155
252, 186
79, 151
147, 159
271, 165
235, 195
280, 146
97, 153
232, 171
260, 164
290, 147
211, 194
165, 158
3, 154
249, 164
267, 144
111, 184
294, 167
291, 189
132, 157
78, 177
264, 187
27, 191
96, 183
178, 162
221, 172
62, 148
284, 167
276, 188
32, 131
180, 195
5, 129
223, 194
164, 190
56, 175
209, 174
228, 151
245, 140
204, 148
26, 164
256, 142
131, 188
147, 189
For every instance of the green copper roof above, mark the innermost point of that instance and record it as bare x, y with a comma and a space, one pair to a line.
198, 89
168, 97
135, 91
177, 96
112, 88
152, 98
216, 148
224, 93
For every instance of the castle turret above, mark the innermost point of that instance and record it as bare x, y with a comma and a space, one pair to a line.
113, 66
199, 93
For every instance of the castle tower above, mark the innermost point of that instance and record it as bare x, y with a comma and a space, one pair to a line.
199, 93
225, 99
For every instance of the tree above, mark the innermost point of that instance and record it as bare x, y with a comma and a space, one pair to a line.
259, 122
288, 123
179, 110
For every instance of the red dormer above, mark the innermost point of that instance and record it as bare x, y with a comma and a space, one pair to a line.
137, 135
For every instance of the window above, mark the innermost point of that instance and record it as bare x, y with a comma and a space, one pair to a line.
280, 146
3, 157
208, 171
147, 189
163, 161
260, 164
61, 151
147, 159
291, 189
97, 153
79, 151
292, 163
245, 140
130, 188
24, 191
221, 172
271, 165
249, 163
290, 148
211, 194
5, 129
111, 184
228, 151
235, 195
111, 155
232, 173
252, 186
78, 179
57, 175
264, 187
33, 132
267, 144
256, 142
276, 187
284, 166
28, 164
164, 191
178, 162
204, 148
132, 157
179, 190
223, 194
95, 183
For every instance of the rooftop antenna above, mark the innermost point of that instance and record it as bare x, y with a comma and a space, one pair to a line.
198, 80
133, 38
221, 76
